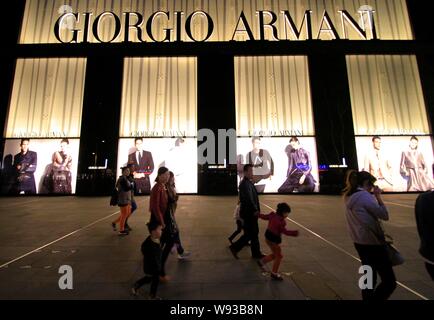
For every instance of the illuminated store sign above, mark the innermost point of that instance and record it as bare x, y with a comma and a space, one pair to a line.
279, 26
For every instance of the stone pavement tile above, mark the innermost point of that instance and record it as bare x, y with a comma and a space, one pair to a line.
307, 267
236, 271
406, 273
417, 266
347, 290
99, 291
12, 290
37, 290
345, 270
51, 258
105, 254
425, 288
313, 287
408, 252
115, 272
176, 291
288, 291
237, 291
87, 272
8, 253
214, 249
403, 294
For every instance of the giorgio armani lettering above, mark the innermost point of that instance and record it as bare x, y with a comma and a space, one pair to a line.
279, 26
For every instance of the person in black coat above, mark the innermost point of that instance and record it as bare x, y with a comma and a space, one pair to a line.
425, 226
141, 164
152, 262
249, 212
25, 164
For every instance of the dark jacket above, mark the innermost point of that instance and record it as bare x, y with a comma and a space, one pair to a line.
146, 164
249, 201
124, 187
151, 256
25, 180
27, 161
425, 224
263, 165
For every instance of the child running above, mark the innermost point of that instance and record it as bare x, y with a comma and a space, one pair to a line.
151, 250
273, 236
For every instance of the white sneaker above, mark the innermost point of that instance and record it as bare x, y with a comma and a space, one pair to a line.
185, 255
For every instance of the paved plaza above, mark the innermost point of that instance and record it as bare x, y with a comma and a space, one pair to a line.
40, 234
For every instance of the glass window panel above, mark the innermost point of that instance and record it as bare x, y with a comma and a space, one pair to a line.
159, 97
386, 95
273, 96
47, 98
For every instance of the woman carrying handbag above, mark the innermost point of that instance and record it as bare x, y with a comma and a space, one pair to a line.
364, 212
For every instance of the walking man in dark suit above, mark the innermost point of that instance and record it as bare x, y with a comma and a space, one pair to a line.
425, 227
249, 211
142, 166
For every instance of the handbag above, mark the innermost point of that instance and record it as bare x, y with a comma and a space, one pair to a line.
395, 256
114, 197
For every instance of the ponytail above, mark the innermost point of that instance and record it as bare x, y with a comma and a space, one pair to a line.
357, 179
351, 183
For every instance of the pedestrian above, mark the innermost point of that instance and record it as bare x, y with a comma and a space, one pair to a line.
238, 222
273, 237
172, 205
124, 187
160, 213
249, 212
364, 210
151, 250
425, 226
133, 200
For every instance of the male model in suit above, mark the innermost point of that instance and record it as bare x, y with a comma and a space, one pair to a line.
263, 165
25, 164
377, 164
142, 166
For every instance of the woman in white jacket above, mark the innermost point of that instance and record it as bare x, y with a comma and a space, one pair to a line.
364, 212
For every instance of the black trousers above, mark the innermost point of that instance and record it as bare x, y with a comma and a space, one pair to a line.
167, 241
177, 241
251, 232
152, 279
291, 183
377, 258
28, 186
238, 231
142, 186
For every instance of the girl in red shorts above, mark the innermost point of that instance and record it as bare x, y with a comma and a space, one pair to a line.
273, 237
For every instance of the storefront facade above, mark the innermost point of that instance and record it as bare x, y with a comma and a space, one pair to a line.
96, 85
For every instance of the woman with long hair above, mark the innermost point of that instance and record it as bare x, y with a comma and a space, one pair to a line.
160, 213
124, 188
62, 164
364, 211
172, 205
